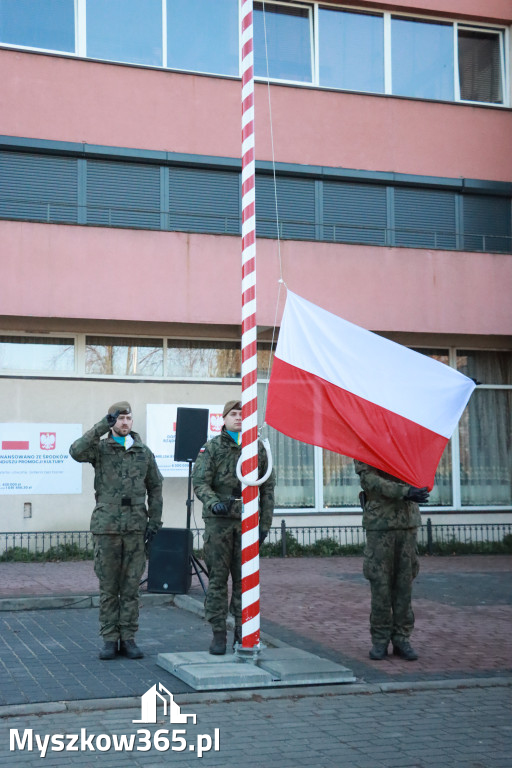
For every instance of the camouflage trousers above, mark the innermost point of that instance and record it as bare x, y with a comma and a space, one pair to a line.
390, 565
222, 554
119, 562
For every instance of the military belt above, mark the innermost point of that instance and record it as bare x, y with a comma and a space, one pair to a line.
124, 501
234, 491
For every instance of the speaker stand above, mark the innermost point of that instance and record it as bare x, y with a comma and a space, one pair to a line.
194, 563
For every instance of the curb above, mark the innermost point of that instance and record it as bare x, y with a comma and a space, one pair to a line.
195, 606
49, 602
210, 697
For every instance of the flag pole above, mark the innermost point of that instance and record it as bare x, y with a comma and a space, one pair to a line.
249, 458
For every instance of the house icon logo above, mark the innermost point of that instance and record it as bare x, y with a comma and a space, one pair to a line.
150, 700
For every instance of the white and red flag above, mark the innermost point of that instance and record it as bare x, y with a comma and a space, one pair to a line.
341, 387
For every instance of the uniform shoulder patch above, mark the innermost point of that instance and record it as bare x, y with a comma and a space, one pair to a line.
201, 450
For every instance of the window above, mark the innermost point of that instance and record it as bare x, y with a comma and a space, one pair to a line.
487, 223
116, 356
48, 24
295, 205
485, 430
354, 213
57, 188
480, 66
123, 194
340, 482
202, 35
442, 492
125, 30
204, 201
38, 187
203, 359
200, 359
424, 218
475, 469
37, 353
283, 33
294, 465
422, 59
351, 50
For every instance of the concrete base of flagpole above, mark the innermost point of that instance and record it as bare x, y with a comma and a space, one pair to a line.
276, 665
273, 668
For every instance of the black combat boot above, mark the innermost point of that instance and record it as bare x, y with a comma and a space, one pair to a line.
237, 636
109, 650
379, 651
404, 649
218, 644
130, 649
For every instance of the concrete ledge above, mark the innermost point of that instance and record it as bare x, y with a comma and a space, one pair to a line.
44, 603
48, 602
192, 605
202, 697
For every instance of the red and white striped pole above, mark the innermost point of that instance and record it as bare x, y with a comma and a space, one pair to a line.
249, 469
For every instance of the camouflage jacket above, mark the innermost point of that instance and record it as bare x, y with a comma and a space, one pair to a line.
386, 506
122, 478
215, 479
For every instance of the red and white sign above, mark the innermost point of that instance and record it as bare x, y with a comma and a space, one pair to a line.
47, 441
216, 422
15, 445
34, 459
336, 385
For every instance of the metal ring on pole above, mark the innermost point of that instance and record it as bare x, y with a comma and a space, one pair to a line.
260, 480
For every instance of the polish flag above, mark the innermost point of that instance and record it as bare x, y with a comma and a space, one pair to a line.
338, 386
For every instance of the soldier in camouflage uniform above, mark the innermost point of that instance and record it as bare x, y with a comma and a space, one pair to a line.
125, 471
217, 486
391, 517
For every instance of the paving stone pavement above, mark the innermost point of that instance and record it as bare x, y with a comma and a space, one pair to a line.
460, 728
451, 708
463, 608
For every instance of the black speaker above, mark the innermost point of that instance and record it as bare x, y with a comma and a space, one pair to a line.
191, 432
169, 567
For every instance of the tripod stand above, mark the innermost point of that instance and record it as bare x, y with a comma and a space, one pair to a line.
194, 563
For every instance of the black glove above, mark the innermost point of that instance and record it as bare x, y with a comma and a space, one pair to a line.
112, 418
263, 536
148, 538
220, 508
418, 494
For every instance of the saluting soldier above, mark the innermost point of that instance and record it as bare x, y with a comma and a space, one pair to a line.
122, 523
217, 486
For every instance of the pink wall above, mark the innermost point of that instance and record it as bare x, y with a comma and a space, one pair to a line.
495, 10
90, 272
72, 100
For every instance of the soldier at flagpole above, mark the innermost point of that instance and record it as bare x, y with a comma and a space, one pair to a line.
217, 486
391, 517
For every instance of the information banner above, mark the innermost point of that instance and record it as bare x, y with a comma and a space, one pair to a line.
34, 458
161, 434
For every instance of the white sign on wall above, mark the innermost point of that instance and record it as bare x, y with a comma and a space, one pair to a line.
34, 458
161, 434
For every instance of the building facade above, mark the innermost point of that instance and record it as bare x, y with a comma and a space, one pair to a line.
383, 194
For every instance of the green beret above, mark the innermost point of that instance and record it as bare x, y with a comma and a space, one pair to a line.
231, 405
122, 407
